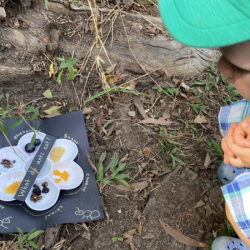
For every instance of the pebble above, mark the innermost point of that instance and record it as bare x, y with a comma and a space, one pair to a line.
2, 13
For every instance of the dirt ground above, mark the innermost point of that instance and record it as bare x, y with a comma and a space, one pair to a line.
185, 194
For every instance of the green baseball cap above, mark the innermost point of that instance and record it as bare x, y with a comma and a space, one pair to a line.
207, 23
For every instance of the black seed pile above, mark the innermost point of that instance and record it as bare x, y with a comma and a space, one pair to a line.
7, 163
36, 192
45, 188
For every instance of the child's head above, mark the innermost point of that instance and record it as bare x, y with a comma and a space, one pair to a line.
223, 24
235, 65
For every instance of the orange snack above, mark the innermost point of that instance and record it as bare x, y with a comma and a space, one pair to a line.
58, 180
64, 175
12, 189
56, 154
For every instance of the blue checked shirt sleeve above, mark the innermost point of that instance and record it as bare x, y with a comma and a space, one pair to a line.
237, 197
235, 112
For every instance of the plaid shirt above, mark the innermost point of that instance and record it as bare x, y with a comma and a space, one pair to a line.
235, 112
237, 196
237, 193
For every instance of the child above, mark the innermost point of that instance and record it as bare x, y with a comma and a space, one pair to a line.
224, 24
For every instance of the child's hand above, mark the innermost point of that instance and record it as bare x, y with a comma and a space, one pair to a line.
227, 153
242, 133
242, 154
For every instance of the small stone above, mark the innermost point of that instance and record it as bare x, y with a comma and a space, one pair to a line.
2, 13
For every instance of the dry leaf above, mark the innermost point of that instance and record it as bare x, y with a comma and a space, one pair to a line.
134, 187
159, 121
199, 204
110, 68
132, 85
129, 233
131, 113
209, 210
175, 80
48, 94
100, 121
200, 119
166, 115
16, 24
86, 234
180, 237
146, 68
49, 116
183, 95
137, 27
113, 78
138, 227
139, 105
85, 226
52, 110
51, 70
185, 86
207, 161
148, 151
151, 31
86, 110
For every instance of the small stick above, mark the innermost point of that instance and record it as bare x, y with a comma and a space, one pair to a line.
79, 103
91, 163
18, 154
125, 196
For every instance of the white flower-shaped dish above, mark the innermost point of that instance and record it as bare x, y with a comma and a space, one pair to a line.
8, 176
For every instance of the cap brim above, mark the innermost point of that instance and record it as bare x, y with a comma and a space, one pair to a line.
205, 23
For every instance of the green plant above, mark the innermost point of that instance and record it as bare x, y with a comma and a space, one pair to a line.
233, 95
24, 239
115, 171
229, 231
189, 126
175, 159
73, 108
21, 112
197, 107
69, 64
211, 68
164, 146
167, 91
215, 150
114, 239
223, 78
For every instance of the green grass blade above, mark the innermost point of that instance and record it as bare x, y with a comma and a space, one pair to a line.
100, 173
133, 92
33, 244
102, 158
3, 128
119, 169
124, 182
113, 163
35, 115
180, 161
100, 94
121, 177
32, 140
16, 124
35, 234
19, 230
